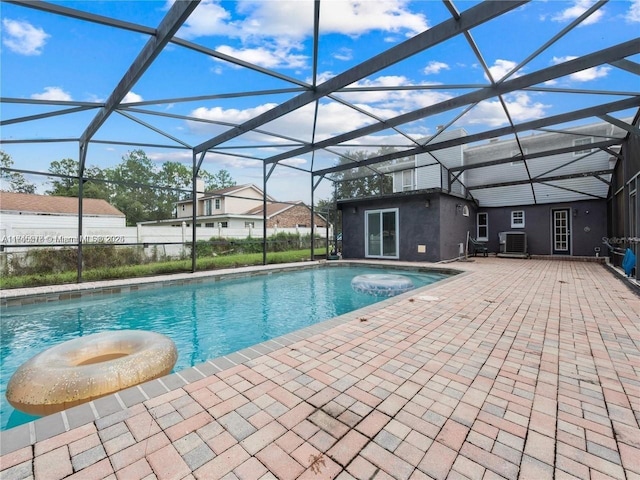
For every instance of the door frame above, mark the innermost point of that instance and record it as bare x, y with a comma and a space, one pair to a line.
397, 233
569, 250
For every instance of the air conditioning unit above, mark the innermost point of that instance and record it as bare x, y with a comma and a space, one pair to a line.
513, 242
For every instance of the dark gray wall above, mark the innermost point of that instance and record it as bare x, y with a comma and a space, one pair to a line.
620, 227
588, 226
440, 227
454, 226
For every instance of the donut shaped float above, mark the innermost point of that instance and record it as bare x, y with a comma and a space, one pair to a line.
382, 285
89, 367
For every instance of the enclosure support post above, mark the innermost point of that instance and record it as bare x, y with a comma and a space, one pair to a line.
335, 209
313, 232
313, 215
194, 208
264, 214
81, 163
265, 177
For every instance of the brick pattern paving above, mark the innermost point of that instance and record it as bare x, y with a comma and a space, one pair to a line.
521, 369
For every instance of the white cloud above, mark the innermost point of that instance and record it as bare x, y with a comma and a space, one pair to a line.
500, 68
52, 93
322, 77
23, 38
397, 101
174, 156
268, 57
577, 9
231, 115
260, 19
356, 17
343, 54
633, 14
94, 98
333, 117
434, 67
584, 75
271, 32
490, 112
295, 162
213, 162
209, 18
132, 98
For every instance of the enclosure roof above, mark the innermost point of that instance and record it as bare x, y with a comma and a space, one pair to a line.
291, 89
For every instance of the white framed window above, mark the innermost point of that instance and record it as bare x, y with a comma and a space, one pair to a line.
223, 224
407, 180
582, 141
217, 204
210, 225
517, 219
482, 232
207, 207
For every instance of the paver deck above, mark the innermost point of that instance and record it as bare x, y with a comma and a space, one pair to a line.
522, 369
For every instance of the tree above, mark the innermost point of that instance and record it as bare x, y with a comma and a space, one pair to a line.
178, 176
216, 181
63, 184
357, 182
141, 203
130, 194
16, 181
136, 186
361, 181
64, 180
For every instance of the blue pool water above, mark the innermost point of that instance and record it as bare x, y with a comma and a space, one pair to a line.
204, 320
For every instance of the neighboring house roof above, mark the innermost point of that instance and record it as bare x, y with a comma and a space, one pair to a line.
274, 209
227, 191
52, 205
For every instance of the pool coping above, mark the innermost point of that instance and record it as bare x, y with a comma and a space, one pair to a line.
49, 426
19, 297
68, 291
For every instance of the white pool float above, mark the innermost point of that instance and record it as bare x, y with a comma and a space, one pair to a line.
90, 367
382, 285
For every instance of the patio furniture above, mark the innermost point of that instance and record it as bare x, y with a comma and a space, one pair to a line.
478, 247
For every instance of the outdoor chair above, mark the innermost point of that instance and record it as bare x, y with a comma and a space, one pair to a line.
478, 247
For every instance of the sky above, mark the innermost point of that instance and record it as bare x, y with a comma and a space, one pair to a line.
58, 58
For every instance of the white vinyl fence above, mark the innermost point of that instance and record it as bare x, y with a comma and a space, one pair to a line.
169, 241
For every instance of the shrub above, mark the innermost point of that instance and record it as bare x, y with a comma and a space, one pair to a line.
159, 268
281, 242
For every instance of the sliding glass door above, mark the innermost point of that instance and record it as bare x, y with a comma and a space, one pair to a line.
381, 232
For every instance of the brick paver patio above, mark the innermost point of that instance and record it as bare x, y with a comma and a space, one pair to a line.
520, 369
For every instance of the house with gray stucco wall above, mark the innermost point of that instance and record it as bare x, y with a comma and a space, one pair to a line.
490, 190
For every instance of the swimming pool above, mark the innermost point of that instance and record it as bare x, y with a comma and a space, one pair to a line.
205, 320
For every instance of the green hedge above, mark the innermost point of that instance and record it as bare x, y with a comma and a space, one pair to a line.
281, 242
